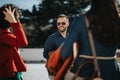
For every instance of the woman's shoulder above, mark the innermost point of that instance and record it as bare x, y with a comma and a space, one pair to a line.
79, 17
78, 20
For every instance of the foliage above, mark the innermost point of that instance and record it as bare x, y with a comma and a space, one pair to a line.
41, 21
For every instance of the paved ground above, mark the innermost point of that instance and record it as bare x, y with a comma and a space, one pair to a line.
35, 71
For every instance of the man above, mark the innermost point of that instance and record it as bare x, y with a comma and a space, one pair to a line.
55, 40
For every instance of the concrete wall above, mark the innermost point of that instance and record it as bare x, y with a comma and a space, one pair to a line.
36, 54
32, 54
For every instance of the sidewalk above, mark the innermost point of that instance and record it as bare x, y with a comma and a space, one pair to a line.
35, 71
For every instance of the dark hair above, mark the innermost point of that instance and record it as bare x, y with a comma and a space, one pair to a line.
3, 23
105, 21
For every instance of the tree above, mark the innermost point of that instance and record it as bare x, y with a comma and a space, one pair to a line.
41, 22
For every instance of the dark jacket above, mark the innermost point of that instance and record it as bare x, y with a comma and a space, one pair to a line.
78, 32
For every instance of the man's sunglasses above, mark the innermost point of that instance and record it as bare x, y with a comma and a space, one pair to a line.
62, 23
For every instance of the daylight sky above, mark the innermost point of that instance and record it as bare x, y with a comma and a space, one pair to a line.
23, 4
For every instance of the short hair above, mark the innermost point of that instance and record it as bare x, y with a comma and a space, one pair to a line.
3, 23
63, 15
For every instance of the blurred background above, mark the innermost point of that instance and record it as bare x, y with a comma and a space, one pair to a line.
39, 21
39, 16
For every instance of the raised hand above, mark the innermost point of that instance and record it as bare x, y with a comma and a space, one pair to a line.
9, 15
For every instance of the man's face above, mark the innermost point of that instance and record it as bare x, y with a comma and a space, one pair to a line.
62, 24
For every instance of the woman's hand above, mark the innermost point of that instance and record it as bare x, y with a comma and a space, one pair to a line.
9, 15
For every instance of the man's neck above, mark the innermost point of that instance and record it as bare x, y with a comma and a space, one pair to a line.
63, 34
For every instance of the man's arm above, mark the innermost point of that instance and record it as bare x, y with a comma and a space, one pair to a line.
48, 47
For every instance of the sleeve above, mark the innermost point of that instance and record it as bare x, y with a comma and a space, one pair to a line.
49, 46
73, 36
17, 38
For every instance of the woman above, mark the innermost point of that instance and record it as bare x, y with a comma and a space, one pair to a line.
11, 64
103, 21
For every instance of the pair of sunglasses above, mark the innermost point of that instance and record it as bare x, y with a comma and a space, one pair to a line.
61, 23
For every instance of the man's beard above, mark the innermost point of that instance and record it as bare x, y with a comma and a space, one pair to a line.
63, 30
